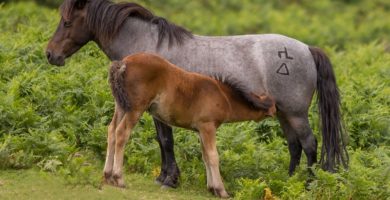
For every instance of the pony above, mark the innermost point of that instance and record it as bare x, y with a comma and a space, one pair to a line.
285, 68
146, 82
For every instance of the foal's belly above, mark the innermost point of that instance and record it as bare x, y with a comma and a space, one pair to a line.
167, 114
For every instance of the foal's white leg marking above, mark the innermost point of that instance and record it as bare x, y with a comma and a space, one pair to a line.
208, 173
208, 138
110, 148
108, 167
122, 134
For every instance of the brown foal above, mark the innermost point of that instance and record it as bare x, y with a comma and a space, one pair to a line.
146, 82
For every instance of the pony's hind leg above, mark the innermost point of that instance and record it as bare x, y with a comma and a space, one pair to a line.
207, 133
122, 134
299, 136
294, 145
108, 166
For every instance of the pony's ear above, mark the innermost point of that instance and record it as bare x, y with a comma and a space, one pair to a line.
80, 4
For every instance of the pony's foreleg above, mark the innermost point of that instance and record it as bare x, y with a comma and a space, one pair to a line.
122, 134
207, 134
160, 139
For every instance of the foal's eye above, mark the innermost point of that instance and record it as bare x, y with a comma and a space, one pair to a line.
67, 23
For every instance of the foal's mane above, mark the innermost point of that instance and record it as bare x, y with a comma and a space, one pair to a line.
107, 18
243, 91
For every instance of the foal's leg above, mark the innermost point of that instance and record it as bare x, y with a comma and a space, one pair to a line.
208, 138
208, 171
297, 127
170, 172
122, 135
118, 114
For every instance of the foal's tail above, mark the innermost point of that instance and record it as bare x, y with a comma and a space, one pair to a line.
333, 150
117, 82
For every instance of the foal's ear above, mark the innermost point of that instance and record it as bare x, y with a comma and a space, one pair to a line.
80, 4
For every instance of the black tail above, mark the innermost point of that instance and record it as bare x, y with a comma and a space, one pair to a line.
117, 82
333, 150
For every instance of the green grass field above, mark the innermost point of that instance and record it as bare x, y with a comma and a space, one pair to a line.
53, 120
33, 184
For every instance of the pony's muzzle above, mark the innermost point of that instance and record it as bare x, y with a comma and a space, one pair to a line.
55, 60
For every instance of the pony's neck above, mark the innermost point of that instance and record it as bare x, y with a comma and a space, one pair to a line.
136, 35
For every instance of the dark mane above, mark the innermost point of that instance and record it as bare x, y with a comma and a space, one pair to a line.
244, 92
106, 18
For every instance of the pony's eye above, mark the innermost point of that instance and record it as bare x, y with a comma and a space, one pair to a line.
67, 23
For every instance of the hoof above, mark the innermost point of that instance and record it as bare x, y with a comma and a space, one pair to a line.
210, 189
108, 179
165, 187
107, 175
157, 182
160, 179
118, 181
170, 182
219, 192
122, 185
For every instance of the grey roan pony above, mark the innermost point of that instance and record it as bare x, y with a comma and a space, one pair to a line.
285, 68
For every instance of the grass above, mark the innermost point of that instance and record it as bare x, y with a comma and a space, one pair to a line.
34, 184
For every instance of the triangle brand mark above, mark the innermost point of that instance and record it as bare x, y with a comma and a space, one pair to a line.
283, 69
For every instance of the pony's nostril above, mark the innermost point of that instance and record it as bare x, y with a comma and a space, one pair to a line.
48, 55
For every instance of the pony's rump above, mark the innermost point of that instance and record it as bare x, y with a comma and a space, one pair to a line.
117, 83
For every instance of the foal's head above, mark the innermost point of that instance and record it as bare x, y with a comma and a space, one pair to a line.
72, 32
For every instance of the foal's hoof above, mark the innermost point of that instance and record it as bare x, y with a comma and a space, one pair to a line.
118, 181
107, 179
222, 194
219, 192
121, 185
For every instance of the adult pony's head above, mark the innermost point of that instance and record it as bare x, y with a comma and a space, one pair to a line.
100, 21
72, 32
